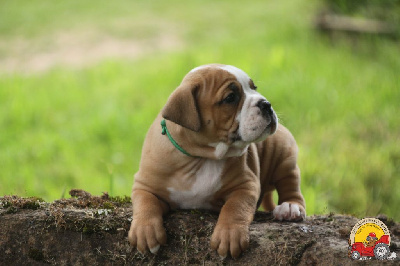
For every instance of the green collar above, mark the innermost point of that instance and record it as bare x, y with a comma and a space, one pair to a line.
165, 131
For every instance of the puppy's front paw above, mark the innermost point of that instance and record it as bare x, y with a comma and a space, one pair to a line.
230, 238
147, 235
289, 211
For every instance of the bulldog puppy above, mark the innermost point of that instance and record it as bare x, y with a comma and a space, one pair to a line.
219, 148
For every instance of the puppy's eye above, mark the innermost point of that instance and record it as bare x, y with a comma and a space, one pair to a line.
231, 98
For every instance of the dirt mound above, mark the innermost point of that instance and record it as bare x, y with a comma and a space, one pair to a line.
92, 230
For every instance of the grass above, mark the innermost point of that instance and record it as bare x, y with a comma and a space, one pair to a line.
83, 126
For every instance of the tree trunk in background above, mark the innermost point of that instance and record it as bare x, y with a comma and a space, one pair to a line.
93, 231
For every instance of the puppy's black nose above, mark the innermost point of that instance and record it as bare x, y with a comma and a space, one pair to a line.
265, 107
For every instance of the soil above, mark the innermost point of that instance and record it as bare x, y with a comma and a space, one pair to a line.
92, 230
76, 49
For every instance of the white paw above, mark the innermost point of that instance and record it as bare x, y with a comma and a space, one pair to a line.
289, 212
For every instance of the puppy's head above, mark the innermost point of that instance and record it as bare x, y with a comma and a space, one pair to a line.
221, 103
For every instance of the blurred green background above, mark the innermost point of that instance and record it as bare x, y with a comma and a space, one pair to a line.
81, 81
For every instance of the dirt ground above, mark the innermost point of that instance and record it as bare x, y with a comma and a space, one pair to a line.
77, 49
92, 230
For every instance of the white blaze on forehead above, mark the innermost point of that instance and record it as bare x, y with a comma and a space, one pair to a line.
251, 95
240, 75
244, 80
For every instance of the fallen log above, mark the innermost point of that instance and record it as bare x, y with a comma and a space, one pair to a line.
90, 230
338, 23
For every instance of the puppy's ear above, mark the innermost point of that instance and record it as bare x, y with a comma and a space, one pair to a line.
181, 108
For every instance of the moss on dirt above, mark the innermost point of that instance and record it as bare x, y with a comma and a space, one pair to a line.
13, 203
79, 199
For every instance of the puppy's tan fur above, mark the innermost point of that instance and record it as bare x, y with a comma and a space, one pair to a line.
198, 121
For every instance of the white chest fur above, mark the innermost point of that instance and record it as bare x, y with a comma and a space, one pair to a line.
207, 182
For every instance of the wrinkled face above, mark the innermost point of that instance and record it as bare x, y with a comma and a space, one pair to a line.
256, 117
232, 108
221, 103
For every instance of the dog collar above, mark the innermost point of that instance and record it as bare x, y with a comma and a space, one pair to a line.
165, 131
